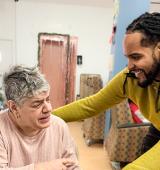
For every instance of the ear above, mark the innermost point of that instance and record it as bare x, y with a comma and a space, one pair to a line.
12, 106
157, 49
158, 45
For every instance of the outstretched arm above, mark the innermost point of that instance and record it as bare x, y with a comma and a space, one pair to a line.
110, 95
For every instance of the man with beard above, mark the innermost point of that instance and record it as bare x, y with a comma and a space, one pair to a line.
140, 82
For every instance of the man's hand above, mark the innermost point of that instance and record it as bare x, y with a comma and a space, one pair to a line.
58, 164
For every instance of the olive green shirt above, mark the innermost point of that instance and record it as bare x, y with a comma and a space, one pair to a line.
122, 86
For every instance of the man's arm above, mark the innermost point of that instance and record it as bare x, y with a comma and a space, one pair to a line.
111, 94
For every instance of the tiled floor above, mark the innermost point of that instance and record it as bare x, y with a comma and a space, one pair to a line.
91, 157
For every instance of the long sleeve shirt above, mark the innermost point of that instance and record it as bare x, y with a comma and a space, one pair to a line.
123, 85
19, 152
120, 87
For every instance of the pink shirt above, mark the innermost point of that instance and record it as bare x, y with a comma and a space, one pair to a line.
19, 152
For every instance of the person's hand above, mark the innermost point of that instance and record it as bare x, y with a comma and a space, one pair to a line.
58, 164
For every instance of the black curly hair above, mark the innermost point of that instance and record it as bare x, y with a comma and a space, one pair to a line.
149, 25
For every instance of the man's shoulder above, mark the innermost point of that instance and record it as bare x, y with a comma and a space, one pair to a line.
121, 74
125, 70
120, 77
127, 75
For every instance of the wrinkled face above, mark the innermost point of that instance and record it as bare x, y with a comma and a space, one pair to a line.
33, 115
142, 61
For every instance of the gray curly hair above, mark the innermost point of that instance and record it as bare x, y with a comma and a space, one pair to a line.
23, 82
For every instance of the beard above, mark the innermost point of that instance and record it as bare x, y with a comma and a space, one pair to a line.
151, 75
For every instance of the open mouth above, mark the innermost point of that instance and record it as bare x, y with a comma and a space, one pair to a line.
138, 73
44, 119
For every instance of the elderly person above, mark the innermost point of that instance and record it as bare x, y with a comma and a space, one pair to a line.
30, 137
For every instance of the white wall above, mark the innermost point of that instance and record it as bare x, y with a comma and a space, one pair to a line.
7, 35
92, 26
155, 7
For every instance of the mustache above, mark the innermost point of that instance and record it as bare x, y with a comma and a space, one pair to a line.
135, 69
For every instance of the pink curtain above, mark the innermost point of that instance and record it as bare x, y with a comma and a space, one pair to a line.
56, 61
72, 68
